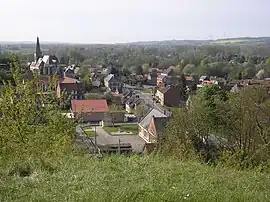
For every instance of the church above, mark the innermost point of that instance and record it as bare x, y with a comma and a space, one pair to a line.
45, 64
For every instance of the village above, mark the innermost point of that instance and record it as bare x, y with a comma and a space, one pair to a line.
116, 113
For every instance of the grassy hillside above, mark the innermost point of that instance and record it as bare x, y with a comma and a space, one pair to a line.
130, 179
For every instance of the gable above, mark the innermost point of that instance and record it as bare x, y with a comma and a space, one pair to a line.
147, 119
152, 128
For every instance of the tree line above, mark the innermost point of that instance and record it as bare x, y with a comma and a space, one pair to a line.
232, 128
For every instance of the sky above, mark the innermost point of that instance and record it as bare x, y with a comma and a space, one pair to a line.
118, 21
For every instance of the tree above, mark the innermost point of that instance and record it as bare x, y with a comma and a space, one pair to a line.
139, 112
31, 123
178, 69
240, 77
85, 78
138, 70
145, 68
189, 69
126, 71
183, 63
183, 87
246, 125
249, 73
260, 74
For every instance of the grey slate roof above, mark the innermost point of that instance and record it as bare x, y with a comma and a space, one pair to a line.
147, 119
160, 124
202, 78
168, 71
109, 77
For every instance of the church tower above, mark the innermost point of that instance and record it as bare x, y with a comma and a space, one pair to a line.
38, 50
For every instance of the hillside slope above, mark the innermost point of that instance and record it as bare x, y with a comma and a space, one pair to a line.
131, 179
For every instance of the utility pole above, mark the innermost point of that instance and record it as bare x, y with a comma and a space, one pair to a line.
119, 148
95, 135
95, 132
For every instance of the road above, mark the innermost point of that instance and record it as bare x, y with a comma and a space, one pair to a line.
148, 99
103, 138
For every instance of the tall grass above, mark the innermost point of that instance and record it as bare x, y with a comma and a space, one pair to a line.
114, 178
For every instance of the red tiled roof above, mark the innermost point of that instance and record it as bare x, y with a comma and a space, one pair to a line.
89, 106
68, 80
189, 78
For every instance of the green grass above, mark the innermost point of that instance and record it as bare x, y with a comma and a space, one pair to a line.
65, 111
149, 91
146, 178
88, 132
125, 128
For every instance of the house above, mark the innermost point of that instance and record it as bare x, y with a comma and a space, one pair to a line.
71, 87
96, 82
162, 80
170, 96
70, 71
152, 76
127, 93
169, 72
204, 78
43, 84
152, 126
89, 110
113, 83
132, 102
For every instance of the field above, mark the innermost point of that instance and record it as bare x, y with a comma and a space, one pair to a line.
117, 178
229, 41
148, 91
125, 128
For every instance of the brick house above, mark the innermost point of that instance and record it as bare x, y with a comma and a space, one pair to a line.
169, 96
89, 110
152, 126
71, 87
113, 83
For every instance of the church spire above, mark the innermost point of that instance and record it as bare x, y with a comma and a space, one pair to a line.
38, 50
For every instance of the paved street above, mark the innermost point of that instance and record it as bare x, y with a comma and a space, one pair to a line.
148, 98
104, 138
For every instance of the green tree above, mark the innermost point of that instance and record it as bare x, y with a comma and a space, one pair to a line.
249, 73
260, 74
145, 68
178, 69
189, 69
183, 87
31, 124
139, 112
138, 70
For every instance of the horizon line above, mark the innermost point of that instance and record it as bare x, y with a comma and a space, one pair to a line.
130, 42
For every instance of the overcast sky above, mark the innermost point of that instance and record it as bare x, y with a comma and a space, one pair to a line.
112, 21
